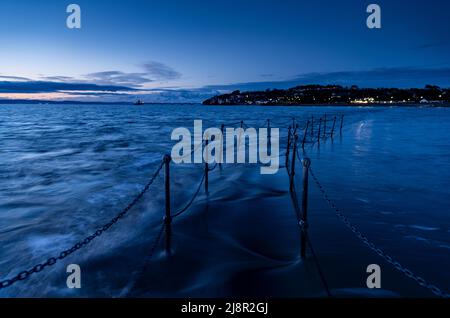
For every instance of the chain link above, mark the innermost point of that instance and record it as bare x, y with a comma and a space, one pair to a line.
407, 272
100, 230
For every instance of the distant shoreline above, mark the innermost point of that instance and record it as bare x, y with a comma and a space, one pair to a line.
393, 105
336, 95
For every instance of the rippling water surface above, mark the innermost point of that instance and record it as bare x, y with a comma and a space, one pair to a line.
65, 169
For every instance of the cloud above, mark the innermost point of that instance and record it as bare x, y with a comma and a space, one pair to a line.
59, 78
150, 72
120, 86
353, 76
57, 87
177, 96
160, 71
118, 78
13, 78
106, 85
379, 77
383, 77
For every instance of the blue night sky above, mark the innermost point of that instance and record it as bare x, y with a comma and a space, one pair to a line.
187, 50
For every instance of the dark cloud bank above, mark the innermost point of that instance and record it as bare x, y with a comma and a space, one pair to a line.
120, 86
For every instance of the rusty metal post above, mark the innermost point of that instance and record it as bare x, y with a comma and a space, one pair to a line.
206, 169
320, 126
168, 216
304, 220
288, 148
222, 128
334, 125
294, 151
304, 134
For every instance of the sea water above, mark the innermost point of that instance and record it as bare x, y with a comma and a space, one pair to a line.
65, 169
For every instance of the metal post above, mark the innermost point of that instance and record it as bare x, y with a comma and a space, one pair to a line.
168, 217
304, 134
222, 128
294, 151
318, 134
288, 147
342, 122
304, 221
242, 124
268, 128
206, 169
334, 125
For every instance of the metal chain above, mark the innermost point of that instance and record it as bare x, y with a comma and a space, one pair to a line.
152, 249
100, 230
302, 224
407, 272
188, 205
143, 268
317, 263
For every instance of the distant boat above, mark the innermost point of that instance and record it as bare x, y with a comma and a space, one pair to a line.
139, 102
